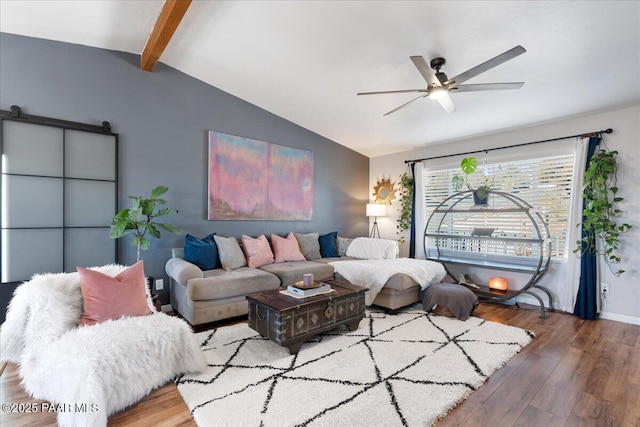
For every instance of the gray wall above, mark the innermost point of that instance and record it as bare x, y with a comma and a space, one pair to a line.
162, 119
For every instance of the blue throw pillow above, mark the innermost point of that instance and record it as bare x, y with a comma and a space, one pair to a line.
328, 245
202, 252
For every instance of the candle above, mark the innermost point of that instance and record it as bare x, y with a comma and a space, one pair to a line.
307, 279
498, 283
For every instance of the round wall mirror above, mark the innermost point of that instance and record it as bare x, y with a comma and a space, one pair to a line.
384, 191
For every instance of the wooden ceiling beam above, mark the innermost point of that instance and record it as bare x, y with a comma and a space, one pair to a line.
172, 13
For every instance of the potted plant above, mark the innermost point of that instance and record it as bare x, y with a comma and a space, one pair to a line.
468, 165
406, 203
600, 211
140, 219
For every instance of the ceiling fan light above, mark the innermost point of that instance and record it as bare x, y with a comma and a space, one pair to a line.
438, 93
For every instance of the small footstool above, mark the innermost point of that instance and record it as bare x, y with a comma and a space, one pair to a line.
449, 299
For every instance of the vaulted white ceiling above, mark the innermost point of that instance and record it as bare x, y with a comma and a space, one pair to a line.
306, 60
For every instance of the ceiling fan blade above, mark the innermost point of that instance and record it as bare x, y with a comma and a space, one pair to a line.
426, 71
447, 103
404, 105
392, 91
485, 66
487, 86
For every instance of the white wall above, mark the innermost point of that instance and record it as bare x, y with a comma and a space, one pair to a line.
623, 303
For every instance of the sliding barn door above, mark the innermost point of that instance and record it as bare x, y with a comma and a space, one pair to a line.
59, 194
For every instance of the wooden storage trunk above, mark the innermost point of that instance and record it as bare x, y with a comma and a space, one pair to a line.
289, 321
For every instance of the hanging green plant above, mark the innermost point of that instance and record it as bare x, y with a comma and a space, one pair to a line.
600, 211
406, 202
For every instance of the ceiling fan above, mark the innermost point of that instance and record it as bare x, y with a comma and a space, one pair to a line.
439, 86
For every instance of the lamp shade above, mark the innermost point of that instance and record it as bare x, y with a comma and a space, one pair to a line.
376, 209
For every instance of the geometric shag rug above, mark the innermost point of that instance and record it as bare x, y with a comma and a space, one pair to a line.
407, 369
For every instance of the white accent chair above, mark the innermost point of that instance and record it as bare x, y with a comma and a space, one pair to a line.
108, 366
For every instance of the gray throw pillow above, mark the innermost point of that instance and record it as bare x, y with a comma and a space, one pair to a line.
343, 245
309, 245
230, 253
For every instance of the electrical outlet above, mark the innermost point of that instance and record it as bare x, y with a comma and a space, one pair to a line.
605, 290
159, 284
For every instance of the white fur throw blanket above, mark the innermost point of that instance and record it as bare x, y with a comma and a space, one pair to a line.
373, 274
106, 367
369, 248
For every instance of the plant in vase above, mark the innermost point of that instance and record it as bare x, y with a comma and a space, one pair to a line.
468, 165
140, 219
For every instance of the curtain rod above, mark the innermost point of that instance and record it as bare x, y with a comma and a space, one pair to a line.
584, 135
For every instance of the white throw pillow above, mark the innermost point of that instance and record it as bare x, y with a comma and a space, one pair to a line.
369, 248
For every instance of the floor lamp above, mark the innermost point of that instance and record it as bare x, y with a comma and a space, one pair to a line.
375, 210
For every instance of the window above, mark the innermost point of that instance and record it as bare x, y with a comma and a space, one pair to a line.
545, 183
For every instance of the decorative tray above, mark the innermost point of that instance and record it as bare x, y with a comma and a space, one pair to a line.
300, 285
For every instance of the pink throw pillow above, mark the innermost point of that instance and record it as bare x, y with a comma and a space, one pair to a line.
107, 297
257, 251
286, 249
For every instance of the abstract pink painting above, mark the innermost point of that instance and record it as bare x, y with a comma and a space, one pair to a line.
256, 180
290, 183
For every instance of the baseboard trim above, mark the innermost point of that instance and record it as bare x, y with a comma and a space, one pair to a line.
166, 308
526, 299
620, 318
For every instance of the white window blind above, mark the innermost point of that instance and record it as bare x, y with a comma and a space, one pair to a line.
545, 183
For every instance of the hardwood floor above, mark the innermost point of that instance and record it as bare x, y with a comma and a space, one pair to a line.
162, 407
575, 373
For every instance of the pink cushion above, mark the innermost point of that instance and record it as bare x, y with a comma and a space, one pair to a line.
257, 251
107, 297
286, 249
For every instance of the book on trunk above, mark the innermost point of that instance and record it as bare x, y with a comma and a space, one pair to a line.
309, 291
